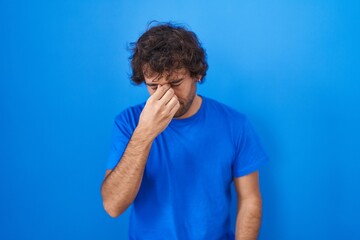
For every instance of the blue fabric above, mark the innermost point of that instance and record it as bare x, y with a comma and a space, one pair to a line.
186, 188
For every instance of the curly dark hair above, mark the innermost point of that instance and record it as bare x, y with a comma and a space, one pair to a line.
167, 47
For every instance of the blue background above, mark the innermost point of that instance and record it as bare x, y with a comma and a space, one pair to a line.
291, 66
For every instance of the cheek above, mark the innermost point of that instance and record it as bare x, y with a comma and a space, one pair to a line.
179, 94
185, 92
183, 98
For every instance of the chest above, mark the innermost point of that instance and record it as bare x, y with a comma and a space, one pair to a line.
194, 153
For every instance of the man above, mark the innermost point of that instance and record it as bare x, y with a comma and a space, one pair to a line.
175, 156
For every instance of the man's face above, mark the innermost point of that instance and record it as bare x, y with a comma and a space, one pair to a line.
180, 81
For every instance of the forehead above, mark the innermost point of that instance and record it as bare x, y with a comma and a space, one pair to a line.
154, 77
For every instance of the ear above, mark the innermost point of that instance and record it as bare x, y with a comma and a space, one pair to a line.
198, 78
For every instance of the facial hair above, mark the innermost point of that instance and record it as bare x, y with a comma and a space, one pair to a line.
184, 106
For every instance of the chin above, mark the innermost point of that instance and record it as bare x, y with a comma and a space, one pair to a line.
179, 112
184, 108
177, 115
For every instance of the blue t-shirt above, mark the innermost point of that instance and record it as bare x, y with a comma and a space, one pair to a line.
186, 187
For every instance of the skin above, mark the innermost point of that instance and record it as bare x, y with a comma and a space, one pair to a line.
171, 96
184, 88
249, 205
168, 99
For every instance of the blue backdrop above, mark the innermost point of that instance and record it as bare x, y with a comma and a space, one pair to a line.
291, 66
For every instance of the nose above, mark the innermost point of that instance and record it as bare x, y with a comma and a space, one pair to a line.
166, 86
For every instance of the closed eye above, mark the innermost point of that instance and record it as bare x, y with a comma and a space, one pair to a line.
176, 84
173, 84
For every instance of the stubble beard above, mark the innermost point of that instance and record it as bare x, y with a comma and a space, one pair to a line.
184, 107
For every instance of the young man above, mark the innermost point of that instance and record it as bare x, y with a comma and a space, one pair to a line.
175, 156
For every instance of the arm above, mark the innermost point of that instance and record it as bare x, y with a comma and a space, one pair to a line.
249, 212
120, 186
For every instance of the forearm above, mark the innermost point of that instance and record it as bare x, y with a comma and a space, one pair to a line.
121, 186
248, 219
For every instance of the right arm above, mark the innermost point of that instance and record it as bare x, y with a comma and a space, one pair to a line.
121, 185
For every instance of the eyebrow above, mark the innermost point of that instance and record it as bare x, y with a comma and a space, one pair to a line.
174, 81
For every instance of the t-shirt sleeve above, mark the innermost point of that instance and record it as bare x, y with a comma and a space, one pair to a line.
249, 152
120, 137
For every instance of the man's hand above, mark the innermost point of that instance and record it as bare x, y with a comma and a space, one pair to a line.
159, 109
121, 185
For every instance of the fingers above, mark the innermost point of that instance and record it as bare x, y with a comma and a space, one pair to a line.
160, 91
175, 108
167, 96
172, 102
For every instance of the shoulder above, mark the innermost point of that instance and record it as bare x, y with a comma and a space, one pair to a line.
130, 115
222, 110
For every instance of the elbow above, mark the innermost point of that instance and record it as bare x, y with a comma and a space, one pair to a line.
113, 207
112, 211
113, 214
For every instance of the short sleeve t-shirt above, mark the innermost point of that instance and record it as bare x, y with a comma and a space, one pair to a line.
186, 187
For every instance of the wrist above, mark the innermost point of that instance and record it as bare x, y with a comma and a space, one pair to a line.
144, 134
